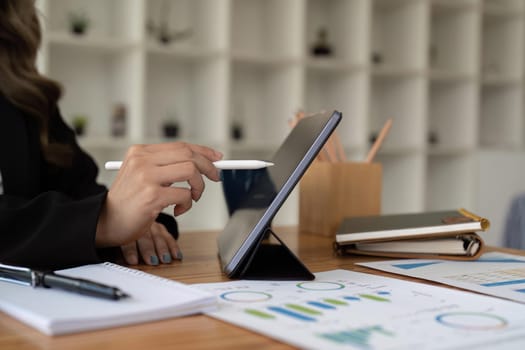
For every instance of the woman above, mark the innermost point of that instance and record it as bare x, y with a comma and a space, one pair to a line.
52, 212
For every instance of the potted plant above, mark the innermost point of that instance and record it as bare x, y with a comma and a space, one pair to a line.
170, 128
79, 124
78, 22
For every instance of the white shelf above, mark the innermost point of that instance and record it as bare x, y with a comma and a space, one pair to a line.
449, 72
89, 42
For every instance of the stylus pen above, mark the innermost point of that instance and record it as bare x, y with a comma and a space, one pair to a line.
220, 164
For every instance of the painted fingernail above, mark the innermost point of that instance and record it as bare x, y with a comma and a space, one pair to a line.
179, 255
166, 258
154, 260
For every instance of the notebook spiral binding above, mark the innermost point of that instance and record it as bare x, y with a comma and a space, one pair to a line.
138, 273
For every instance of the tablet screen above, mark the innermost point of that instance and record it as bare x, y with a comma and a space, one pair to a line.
255, 196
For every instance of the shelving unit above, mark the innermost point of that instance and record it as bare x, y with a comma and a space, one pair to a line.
449, 72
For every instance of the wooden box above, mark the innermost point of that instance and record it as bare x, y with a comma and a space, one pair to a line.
329, 192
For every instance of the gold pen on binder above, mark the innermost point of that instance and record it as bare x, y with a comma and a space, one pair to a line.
485, 223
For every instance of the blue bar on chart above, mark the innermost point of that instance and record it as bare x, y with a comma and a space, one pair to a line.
503, 283
321, 305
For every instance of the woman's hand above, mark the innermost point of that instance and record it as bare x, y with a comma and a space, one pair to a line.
156, 246
143, 188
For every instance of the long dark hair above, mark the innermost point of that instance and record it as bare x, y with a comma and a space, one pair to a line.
20, 82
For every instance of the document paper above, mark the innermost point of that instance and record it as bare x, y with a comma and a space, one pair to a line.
498, 274
342, 309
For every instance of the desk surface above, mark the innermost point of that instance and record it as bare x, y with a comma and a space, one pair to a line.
195, 332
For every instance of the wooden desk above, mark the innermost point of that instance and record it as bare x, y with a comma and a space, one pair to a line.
195, 332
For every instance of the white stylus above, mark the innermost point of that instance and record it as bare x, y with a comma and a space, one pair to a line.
220, 164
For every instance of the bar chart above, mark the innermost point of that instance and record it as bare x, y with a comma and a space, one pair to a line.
348, 310
494, 273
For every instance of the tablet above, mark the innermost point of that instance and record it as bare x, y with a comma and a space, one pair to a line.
262, 192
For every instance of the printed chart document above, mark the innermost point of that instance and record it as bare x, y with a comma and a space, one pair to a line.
498, 274
53, 311
348, 310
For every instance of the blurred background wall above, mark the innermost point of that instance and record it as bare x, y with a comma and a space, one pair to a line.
231, 73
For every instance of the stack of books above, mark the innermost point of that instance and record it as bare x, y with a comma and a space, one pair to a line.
451, 234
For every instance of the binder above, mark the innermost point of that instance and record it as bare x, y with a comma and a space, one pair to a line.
447, 234
474, 247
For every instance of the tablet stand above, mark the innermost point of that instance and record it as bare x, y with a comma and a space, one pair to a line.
274, 262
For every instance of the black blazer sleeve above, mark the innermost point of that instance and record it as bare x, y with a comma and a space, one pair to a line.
48, 214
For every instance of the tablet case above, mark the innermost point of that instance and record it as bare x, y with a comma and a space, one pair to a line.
272, 261
254, 257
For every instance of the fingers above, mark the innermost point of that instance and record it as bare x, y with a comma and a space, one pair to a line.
166, 246
144, 187
147, 250
157, 246
182, 172
129, 251
180, 197
172, 151
175, 153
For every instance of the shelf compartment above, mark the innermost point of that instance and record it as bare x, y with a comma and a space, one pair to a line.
454, 5
503, 7
189, 92
346, 92
453, 111
90, 43
107, 18
346, 25
106, 79
403, 183
196, 25
454, 40
263, 99
404, 100
266, 28
502, 47
501, 117
399, 34
451, 180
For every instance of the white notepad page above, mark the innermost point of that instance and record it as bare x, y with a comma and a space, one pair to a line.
54, 312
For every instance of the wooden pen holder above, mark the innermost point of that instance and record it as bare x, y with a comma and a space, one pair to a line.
331, 191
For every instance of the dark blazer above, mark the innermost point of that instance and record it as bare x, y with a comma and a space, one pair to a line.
48, 214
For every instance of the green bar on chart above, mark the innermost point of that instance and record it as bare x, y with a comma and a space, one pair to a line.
304, 309
373, 297
335, 302
260, 314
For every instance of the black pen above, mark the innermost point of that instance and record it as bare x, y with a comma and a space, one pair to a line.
28, 277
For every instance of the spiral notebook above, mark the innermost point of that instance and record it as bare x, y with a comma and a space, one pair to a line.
55, 312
